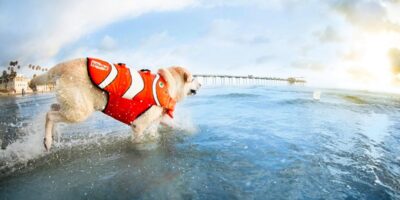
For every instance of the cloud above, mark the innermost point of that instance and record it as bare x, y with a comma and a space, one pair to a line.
351, 55
308, 65
157, 40
155, 51
108, 43
368, 15
38, 30
360, 74
271, 4
225, 45
394, 56
232, 32
263, 59
329, 34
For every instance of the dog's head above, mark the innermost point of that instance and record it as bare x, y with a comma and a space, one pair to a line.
180, 82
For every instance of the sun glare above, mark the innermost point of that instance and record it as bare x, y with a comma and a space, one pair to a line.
369, 66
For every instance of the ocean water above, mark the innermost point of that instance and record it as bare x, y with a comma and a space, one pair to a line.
271, 142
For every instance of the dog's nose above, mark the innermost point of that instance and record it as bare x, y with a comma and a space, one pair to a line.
193, 91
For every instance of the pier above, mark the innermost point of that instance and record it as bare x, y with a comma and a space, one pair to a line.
230, 80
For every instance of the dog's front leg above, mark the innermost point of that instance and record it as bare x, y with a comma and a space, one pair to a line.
167, 121
144, 121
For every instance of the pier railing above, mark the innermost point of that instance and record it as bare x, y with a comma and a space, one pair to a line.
230, 80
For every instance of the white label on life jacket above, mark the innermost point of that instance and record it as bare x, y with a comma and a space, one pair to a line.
98, 65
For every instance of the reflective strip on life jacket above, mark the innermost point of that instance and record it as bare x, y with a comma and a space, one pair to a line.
155, 90
137, 85
110, 77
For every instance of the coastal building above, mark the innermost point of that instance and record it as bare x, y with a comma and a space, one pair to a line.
14, 83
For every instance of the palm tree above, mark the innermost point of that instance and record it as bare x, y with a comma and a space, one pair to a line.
13, 63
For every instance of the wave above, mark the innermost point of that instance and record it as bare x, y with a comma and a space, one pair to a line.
27, 151
297, 102
354, 99
236, 95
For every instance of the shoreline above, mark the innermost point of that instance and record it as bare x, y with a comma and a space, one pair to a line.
9, 94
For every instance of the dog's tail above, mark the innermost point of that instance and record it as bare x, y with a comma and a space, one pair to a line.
49, 77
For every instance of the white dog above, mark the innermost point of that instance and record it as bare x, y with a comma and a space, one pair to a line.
137, 98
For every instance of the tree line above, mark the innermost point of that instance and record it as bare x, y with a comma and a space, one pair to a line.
14, 66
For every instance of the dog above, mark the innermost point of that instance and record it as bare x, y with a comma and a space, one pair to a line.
136, 98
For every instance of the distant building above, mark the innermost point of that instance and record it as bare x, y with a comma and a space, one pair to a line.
14, 83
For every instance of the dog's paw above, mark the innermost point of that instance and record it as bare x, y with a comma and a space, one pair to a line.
47, 143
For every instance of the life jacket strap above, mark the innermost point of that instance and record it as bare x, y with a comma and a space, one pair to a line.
171, 107
170, 103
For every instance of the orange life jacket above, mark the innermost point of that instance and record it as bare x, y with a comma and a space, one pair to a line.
130, 92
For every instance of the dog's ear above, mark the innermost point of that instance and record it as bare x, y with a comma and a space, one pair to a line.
187, 77
167, 76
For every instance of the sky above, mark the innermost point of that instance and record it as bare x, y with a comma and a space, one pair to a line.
352, 44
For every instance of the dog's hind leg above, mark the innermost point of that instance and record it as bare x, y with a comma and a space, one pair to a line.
56, 107
69, 115
52, 117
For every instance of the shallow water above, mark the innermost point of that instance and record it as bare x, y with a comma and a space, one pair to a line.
231, 143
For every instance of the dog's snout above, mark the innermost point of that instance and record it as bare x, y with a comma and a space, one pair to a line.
197, 84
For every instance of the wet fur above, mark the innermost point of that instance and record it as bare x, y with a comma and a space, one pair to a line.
78, 98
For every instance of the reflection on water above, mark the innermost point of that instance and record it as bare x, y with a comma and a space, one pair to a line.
243, 143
